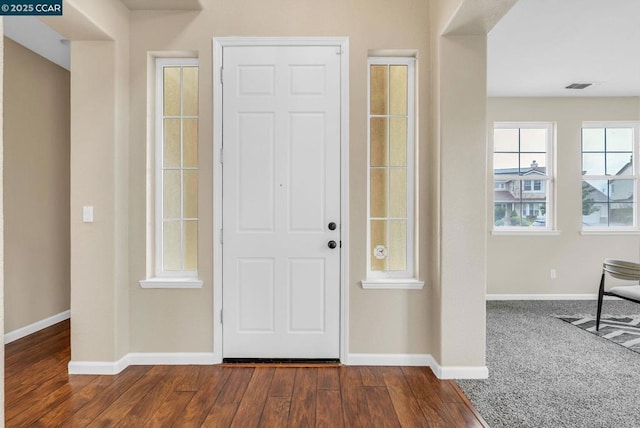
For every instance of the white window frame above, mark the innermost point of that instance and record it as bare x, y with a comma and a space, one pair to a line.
406, 279
548, 182
635, 228
162, 278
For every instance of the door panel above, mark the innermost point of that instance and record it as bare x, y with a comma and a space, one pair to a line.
281, 189
307, 172
255, 174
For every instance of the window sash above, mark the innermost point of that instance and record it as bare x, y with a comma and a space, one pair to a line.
409, 217
608, 178
545, 180
160, 218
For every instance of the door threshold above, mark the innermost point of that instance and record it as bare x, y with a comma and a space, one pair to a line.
281, 362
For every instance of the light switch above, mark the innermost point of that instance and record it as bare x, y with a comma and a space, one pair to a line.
87, 214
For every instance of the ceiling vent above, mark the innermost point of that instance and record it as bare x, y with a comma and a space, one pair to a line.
578, 85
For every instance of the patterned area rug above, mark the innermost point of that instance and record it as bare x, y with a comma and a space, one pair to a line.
623, 330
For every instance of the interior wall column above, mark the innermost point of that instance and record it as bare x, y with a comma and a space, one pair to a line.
98, 169
463, 198
1, 221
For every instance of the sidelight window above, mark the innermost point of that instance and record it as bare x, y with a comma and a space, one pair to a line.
176, 152
391, 172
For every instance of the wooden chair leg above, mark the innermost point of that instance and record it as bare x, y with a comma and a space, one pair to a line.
600, 298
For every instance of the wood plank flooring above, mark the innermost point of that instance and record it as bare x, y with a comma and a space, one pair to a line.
40, 393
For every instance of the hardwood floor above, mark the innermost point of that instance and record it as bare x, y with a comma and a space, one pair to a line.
39, 393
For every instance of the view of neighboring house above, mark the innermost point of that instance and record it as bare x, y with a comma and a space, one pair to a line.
609, 202
520, 201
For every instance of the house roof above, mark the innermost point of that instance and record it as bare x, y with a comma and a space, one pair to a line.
590, 192
540, 170
625, 167
502, 196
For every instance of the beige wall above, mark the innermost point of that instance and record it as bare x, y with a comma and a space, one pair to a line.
1, 225
112, 315
36, 187
99, 34
521, 264
463, 241
160, 318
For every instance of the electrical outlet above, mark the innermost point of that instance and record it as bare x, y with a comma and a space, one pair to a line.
552, 273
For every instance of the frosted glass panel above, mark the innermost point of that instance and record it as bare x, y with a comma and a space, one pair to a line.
190, 143
505, 140
171, 194
378, 192
171, 156
397, 245
398, 141
190, 91
379, 89
171, 91
191, 245
378, 245
398, 89
171, 245
379, 150
398, 191
178, 244
593, 140
190, 194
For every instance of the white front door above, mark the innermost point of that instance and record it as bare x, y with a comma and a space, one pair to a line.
281, 199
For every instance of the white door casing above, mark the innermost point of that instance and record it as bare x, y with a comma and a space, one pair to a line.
281, 184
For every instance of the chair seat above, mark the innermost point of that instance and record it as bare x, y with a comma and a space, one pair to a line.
620, 269
630, 292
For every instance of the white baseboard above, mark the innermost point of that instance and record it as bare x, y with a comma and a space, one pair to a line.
205, 358
171, 358
425, 360
388, 360
98, 367
460, 372
36, 326
140, 359
593, 296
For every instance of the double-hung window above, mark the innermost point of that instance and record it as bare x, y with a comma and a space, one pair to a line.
609, 176
391, 215
523, 176
176, 174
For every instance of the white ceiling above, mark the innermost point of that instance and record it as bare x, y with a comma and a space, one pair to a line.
33, 34
541, 46
163, 4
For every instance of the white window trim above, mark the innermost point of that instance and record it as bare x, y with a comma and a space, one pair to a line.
390, 279
616, 230
550, 228
160, 278
523, 232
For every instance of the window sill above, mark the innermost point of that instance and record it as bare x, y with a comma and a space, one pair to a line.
171, 283
392, 284
515, 232
610, 232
